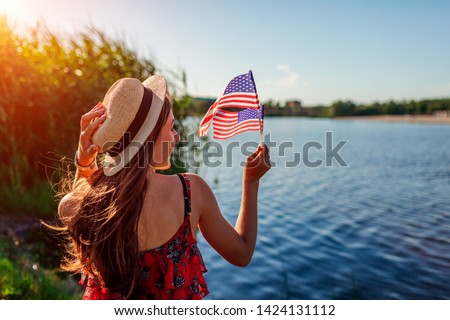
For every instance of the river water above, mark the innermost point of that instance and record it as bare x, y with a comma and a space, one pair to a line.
377, 228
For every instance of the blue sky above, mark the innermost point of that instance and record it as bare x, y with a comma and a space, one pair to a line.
316, 51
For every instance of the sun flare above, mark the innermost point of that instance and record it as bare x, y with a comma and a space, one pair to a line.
9, 6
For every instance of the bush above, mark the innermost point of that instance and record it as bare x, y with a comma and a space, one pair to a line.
23, 277
48, 82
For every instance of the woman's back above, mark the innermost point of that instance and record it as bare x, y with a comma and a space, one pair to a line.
163, 211
172, 269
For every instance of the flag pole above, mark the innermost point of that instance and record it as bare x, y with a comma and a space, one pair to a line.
259, 109
260, 125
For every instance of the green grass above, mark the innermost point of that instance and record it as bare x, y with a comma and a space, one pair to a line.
22, 276
37, 201
19, 280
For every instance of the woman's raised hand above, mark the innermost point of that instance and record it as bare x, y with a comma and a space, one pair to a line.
257, 164
90, 121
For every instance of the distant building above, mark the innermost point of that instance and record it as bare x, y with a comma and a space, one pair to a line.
294, 104
442, 114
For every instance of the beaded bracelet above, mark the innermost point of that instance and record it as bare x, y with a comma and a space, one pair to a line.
92, 165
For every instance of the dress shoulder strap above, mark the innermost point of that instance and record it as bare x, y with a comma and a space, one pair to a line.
186, 193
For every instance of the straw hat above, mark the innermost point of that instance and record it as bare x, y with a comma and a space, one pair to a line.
132, 110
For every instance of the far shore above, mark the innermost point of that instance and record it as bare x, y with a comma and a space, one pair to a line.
431, 119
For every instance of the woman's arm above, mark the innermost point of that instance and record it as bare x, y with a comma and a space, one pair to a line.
236, 244
87, 151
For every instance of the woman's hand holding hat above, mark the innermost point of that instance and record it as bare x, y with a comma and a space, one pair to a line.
90, 122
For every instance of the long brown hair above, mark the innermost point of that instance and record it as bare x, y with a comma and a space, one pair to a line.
102, 234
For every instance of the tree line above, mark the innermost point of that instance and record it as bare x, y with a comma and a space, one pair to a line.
421, 107
341, 108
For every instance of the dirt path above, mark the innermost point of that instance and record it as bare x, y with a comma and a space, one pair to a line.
18, 227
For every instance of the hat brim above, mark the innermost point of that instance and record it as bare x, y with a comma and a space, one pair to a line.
158, 85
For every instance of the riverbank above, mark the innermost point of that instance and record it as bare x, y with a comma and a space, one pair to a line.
430, 119
29, 260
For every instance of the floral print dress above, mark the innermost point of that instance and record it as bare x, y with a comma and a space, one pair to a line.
171, 271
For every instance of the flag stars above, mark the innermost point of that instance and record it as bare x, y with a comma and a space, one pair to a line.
242, 83
248, 114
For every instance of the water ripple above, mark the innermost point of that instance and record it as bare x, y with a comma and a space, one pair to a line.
378, 229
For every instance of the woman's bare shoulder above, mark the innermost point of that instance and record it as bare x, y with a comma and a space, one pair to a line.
198, 182
202, 193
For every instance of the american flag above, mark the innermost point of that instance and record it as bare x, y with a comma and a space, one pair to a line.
228, 123
239, 93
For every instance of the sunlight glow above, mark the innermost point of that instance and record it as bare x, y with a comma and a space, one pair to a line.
7, 6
